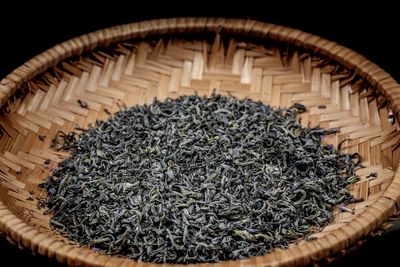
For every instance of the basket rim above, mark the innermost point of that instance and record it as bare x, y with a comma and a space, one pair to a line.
26, 235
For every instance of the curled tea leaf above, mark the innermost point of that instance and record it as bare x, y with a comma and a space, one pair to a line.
197, 179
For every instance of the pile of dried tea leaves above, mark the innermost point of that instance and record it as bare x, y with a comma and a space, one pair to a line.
198, 179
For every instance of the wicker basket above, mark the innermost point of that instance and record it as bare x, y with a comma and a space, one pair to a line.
133, 63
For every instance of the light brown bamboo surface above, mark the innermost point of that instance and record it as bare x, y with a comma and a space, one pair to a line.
277, 65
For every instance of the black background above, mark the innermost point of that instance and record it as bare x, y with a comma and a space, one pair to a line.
371, 30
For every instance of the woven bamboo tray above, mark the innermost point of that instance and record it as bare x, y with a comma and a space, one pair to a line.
131, 64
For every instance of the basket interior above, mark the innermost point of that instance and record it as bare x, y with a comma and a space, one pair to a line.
135, 71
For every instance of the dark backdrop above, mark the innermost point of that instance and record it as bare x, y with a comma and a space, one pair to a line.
28, 29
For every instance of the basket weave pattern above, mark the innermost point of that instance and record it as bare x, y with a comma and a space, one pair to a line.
118, 66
